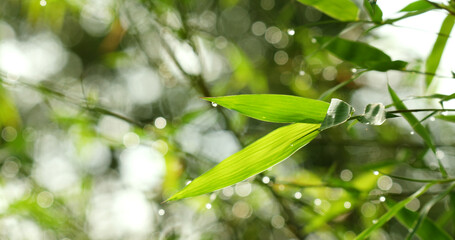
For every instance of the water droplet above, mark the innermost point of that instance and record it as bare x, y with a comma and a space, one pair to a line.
208, 205
376, 173
412, 132
317, 202
382, 199
353, 70
214, 104
161, 212
298, 195
291, 32
347, 205
43, 3
265, 179
188, 182
375, 221
301, 73
313, 40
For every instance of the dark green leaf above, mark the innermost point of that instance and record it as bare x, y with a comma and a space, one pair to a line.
360, 54
420, 5
343, 10
434, 58
255, 158
275, 108
428, 229
339, 112
392, 212
373, 10
375, 114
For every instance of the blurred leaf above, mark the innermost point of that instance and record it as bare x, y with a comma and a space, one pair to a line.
373, 10
375, 114
412, 120
392, 212
420, 5
428, 230
255, 158
339, 112
360, 54
425, 209
416, 125
275, 108
8, 112
434, 58
448, 118
343, 10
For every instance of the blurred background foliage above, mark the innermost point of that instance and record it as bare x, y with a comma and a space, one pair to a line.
101, 120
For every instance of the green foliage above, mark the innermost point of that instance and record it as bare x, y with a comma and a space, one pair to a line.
361, 54
255, 158
275, 108
343, 10
373, 10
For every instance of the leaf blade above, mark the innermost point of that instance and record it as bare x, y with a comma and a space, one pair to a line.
435, 56
392, 212
255, 158
275, 108
343, 10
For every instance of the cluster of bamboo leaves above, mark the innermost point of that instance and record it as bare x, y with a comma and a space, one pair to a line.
308, 117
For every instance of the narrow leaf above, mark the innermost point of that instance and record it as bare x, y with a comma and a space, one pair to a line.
434, 58
448, 118
416, 125
428, 229
275, 108
412, 120
339, 112
420, 5
255, 158
343, 10
424, 211
392, 212
360, 54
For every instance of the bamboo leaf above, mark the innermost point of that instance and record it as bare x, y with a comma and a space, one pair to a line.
448, 118
412, 120
392, 212
255, 158
343, 10
360, 54
428, 229
434, 58
373, 10
416, 125
275, 108
420, 5
339, 112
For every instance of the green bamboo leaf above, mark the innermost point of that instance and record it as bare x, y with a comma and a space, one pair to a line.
393, 211
275, 108
339, 112
343, 10
416, 125
434, 58
428, 229
360, 54
255, 158
412, 120
426, 209
375, 114
373, 10
420, 5
448, 118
